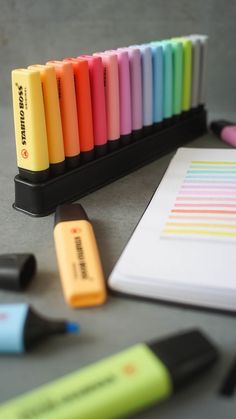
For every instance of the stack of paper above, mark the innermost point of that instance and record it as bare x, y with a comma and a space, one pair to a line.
184, 247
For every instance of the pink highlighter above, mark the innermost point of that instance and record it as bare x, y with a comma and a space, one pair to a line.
111, 79
96, 75
225, 130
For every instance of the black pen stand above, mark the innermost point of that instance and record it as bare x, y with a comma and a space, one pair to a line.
40, 199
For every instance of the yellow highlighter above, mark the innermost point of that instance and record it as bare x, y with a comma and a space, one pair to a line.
53, 118
30, 125
78, 258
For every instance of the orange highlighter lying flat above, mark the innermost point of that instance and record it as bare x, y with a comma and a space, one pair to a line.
78, 258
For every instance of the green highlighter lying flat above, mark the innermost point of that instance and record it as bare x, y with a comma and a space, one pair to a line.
121, 384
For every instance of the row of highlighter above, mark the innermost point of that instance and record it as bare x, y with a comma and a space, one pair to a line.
72, 111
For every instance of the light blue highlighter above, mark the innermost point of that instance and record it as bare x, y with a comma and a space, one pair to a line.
158, 81
168, 79
147, 83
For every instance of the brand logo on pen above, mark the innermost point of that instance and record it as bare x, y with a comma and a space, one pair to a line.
80, 254
129, 369
75, 230
24, 153
22, 113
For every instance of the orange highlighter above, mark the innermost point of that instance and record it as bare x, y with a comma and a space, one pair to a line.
67, 99
84, 107
78, 258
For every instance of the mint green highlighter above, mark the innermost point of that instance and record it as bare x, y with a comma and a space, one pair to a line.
121, 384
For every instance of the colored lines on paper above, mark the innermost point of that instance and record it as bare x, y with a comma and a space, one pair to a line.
205, 206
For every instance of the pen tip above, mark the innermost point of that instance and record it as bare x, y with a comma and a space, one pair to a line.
72, 327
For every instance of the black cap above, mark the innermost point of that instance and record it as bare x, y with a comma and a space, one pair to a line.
185, 355
16, 271
70, 212
217, 126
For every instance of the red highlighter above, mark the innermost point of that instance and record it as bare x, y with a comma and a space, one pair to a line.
67, 100
96, 75
84, 107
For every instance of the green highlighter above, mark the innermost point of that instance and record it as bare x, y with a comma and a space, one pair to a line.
120, 385
177, 48
187, 72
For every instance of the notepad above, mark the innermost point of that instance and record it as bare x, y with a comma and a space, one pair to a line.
184, 247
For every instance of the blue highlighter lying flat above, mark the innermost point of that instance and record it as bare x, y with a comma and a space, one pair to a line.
21, 328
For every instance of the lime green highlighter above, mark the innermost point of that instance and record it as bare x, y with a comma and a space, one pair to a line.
120, 385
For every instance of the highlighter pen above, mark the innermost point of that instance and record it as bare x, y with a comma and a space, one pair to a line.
120, 385
168, 79
111, 81
136, 91
187, 72
67, 99
78, 258
53, 118
158, 81
124, 96
177, 49
203, 39
30, 125
21, 328
196, 70
147, 86
225, 130
96, 75
84, 107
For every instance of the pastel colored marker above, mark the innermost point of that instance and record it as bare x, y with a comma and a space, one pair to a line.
21, 328
147, 85
30, 125
158, 81
122, 384
67, 99
168, 79
111, 81
225, 130
96, 74
203, 66
135, 62
53, 118
177, 50
124, 96
84, 106
196, 70
187, 73
78, 257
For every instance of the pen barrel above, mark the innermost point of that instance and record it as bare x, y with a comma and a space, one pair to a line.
30, 125
79, 263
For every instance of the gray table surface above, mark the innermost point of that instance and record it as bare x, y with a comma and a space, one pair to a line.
121, 322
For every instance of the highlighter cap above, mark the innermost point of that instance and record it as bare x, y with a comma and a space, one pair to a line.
16, 271
217, 126
186, 355
70, 212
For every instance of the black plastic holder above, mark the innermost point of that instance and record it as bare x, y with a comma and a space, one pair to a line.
41, 199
